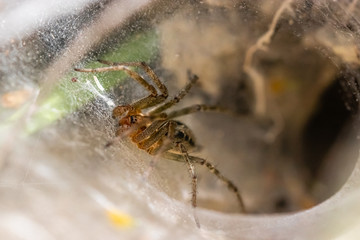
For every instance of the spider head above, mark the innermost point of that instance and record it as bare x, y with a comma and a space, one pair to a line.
131, 119
128, 115
130, 122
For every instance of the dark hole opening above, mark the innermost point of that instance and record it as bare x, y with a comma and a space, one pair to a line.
326, 139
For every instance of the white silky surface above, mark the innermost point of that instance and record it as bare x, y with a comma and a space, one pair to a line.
60, 182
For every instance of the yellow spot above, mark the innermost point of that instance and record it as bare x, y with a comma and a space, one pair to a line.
277, 86
120, 219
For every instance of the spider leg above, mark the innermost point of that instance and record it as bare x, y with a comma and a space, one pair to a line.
155, 132
197, 108
162, 145
193, 79
149, 101
163, 89
193, 176
212, 169
154, 126
154, 138
127, 70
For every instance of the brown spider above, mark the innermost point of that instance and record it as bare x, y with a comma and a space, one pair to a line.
156, 131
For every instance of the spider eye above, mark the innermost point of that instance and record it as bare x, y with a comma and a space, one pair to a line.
133, 119
179, 135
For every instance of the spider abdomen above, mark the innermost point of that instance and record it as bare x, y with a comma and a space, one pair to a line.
184, 135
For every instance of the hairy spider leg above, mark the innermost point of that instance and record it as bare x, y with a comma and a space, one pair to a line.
197, 108
191, 169
163, 145
147, 132
212, 169
182, 93
153, 141
150, 138
163, 89
146, 102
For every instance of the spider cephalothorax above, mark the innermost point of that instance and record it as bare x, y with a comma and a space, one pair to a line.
156, 131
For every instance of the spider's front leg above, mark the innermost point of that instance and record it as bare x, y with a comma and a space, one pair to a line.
163, 89
154, 98
151, 100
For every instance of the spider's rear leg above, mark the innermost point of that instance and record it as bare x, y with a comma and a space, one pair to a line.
191, 169
212, 169
166, 132
161, 136
154, 139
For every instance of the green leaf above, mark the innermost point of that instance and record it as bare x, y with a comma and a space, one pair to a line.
76, 88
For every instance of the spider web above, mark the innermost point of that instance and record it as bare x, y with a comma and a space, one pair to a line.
62, 169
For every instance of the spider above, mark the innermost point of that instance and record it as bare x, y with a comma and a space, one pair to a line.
156, 131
